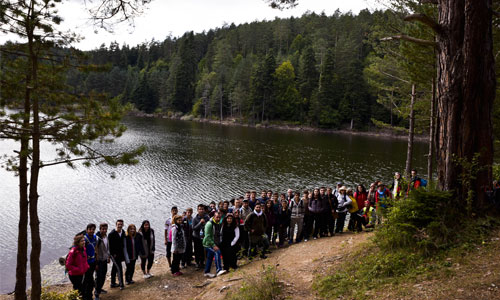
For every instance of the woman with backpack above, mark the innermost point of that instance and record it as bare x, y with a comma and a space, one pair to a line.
76, 263
344, 202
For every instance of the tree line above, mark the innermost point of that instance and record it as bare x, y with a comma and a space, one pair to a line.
307, 70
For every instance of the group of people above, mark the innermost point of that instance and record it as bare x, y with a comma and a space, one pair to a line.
221, 234
92, 252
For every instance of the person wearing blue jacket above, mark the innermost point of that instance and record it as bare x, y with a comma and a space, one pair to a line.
90, 244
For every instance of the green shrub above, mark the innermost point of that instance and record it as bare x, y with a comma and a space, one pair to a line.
71, 295
264, 286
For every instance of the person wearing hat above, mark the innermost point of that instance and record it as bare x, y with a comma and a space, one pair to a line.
336, 191
230, 235
343, 202
397, 186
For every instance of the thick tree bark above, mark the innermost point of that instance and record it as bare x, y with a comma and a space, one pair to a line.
411, 131
466, 90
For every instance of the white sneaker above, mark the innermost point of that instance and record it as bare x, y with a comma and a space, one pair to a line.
150, 275
145, 276
209, 275
221, 272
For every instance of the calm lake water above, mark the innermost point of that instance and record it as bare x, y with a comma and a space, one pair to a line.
188, 163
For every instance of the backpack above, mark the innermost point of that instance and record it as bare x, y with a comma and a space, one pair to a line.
353, 207
423, 182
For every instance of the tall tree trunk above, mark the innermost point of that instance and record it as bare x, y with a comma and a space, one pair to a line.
465, 94
36, 244
409, 153
221, 95
22, 240
392, 104
430, 157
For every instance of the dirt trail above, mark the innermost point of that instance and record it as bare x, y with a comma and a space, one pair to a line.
297, 265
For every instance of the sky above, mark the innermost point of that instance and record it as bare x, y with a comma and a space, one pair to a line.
175, 17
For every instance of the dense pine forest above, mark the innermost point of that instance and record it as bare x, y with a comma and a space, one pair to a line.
308, 70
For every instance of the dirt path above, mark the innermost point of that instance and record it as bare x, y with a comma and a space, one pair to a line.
297, 266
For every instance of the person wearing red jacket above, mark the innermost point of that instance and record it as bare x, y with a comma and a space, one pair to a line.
76, 263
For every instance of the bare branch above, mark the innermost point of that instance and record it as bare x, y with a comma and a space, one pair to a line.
424, 19
42, 165
411, 39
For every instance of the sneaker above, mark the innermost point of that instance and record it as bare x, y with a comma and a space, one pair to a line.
263, 256
221, 272
315, 238
122, 287
305, 240
177, 274
290, 242
113, 285
145, 276
150, 275
132, 282
209, 275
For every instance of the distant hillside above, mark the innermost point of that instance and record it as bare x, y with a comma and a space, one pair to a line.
306, 70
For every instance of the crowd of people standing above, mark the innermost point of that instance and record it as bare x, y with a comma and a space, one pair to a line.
222, 233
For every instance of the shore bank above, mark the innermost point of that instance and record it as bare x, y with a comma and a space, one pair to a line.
471, 276
235, 122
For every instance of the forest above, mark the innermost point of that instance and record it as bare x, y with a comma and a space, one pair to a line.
316, 70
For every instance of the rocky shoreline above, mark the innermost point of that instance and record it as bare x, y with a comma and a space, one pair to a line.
236, 122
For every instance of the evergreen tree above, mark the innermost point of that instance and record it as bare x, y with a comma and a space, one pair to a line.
287, 98
185, 75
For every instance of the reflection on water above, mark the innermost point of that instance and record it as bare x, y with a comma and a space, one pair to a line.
187, 163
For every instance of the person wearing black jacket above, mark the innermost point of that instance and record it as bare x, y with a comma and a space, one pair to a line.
135, 249
283, 218
332, 204
198, 225
118, 253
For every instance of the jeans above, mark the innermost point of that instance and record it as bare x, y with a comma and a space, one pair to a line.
211, 253
149, 259
129, 273
340, 222
100, 275
299, 221
199, 252
117, 268
176, 261
88, 282
77, 282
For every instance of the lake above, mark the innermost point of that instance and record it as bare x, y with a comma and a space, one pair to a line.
187, 163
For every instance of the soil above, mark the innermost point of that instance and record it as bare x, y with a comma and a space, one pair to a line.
473, 276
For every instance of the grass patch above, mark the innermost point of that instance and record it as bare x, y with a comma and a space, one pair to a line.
263, 286
421, 238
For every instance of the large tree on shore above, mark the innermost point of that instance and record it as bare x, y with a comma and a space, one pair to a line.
37, 106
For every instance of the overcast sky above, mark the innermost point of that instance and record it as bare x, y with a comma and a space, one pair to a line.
175, 17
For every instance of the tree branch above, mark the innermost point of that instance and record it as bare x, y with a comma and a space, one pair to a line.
411, 39
426, 20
